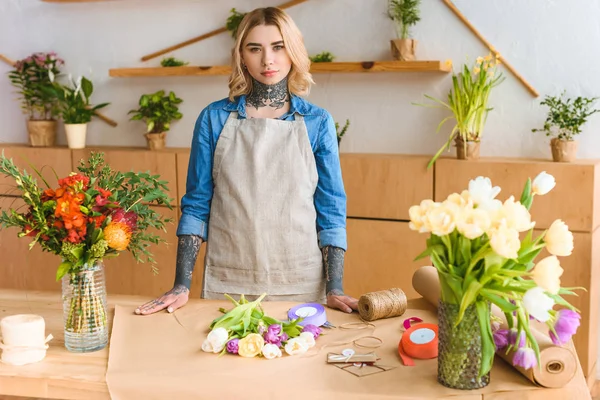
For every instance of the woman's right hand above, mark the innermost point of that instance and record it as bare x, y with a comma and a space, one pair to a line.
172, 300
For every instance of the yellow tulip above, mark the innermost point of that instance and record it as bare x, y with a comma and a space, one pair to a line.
558, 239
251, 345
547, 273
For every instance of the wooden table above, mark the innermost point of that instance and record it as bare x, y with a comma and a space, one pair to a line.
65, 375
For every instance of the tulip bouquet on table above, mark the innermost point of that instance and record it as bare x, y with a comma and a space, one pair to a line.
485, 253
247, 331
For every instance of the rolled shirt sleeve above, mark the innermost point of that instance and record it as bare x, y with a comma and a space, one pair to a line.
195, 204
330, 196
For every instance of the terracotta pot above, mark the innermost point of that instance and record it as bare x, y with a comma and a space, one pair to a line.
42, 133
563, 150
468, 150
76, 134
404, 49
156, 141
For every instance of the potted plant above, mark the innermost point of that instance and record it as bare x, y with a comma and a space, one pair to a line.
157, 110
486, 255
325, 56
172, 62
75, 109
88, 216
233, 21
32, 76
564, 121
404, 13
468, 102
342, 132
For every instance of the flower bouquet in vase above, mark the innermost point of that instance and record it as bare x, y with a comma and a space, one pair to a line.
247, 331
93, 214
485, 253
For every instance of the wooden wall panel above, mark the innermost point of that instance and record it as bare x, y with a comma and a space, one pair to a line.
43, 159
138, 160
124, 275
183, 159
380, 256
572, 200
385, 186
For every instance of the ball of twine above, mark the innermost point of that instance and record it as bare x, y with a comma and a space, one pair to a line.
382, 304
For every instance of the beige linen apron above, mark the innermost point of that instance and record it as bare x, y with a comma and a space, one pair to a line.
262, 235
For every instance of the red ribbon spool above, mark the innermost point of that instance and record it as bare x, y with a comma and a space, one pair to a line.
419, 341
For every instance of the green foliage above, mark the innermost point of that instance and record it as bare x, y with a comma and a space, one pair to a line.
342, 132
566, 117
246, 318
157, 110
468, 101
74, 100
32, 76
233, 22
404, 13
172, 62
322, 57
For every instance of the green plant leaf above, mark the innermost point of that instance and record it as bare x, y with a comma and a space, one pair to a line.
63, 269
487, 339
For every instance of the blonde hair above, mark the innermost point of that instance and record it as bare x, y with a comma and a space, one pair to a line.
299, 78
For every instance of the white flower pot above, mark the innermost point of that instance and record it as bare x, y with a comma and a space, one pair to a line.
76, 135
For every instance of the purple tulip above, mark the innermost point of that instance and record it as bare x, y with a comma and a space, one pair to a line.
501, 338
273, 338
512, 338
525, 358
566, 326
284, 337
232, 346
315, 330
275, 328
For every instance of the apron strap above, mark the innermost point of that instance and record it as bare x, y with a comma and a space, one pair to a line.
298, 116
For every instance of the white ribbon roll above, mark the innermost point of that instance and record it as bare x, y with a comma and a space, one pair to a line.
23, 339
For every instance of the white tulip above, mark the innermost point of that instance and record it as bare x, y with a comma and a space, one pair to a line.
537, 304
547, 273
308, 338
505, 241
543, 183
271, 351
295, 346
217, 339
481, 190
207, 346
558, 239
473, 222
516, 215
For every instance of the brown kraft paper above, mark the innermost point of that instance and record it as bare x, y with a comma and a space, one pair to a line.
558, 364
159, 356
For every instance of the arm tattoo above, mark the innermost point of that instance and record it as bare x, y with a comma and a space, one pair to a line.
333, 261
274, 96
188, 247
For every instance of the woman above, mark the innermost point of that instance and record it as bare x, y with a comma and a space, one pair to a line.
264, 185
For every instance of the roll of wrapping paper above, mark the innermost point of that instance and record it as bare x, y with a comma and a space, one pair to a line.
559, 364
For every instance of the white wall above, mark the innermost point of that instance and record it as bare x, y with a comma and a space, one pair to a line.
551, 43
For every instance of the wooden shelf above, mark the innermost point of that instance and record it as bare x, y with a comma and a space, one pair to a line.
317, 68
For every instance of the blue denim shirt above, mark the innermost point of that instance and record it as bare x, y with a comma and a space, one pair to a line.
329, 197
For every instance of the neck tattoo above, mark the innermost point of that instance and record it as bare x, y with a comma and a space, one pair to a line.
274, 96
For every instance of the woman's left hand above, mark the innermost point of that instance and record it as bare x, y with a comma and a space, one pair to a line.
342, 302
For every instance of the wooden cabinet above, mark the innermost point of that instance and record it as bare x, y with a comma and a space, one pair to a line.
380, 190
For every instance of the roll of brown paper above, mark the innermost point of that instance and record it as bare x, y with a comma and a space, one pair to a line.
559, 364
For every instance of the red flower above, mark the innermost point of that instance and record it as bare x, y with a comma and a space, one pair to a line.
48, 194
72, 180
128, 218
101, 201
98, 220
104, 193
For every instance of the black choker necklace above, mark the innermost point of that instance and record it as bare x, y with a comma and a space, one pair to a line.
274, 96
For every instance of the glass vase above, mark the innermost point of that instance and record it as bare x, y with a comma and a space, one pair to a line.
84, 309
460, 348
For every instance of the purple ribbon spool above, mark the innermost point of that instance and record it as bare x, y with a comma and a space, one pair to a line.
312, 314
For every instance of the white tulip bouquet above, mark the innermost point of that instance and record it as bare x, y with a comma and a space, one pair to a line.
482, 254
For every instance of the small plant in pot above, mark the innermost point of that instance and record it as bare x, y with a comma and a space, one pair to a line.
157, 110
404, 13
564, 121
341, 132
75, 109
468, 102
32, 76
